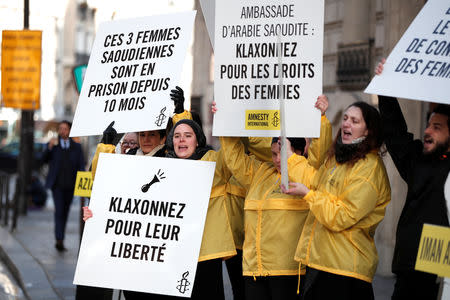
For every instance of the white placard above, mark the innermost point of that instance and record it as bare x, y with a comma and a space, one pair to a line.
132, 68
147, 224
419, 66
246, 71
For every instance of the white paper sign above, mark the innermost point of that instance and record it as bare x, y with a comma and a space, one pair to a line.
246, 71
132, 68
419, 66
147, 224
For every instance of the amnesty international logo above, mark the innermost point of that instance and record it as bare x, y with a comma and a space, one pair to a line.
183, 283
275, 120
161, 117
262, 119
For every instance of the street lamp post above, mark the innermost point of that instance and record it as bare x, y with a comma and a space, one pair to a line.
25, 163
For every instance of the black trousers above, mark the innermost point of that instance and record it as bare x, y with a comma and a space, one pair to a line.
208, 284
62, 199
319, 285
234, 268
271, 287
415, 285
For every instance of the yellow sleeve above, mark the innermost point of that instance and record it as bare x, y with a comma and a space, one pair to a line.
184, 115
299, 170
358, 198
101, 148
260, 147
242, 166
319, 146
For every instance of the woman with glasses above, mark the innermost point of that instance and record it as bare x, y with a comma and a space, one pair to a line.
129, 141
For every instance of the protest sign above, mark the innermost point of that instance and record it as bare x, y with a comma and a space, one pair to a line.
147, 224
132, 68
434, 250
83, 184
249, 38
418, 67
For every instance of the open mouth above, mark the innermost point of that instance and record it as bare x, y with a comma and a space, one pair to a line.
427, 140
346, 134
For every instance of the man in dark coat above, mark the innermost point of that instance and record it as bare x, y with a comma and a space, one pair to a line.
424, 166
65, 158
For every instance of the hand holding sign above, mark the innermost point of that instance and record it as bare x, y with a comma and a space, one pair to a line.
109, 134
87, 213
322, 104
380, 67
177, 96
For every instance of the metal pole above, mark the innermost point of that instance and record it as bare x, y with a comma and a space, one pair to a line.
283, 150
26, 140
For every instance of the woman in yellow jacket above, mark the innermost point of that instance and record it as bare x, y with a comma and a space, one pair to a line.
273, 220
187, 141
234, 205
347, 200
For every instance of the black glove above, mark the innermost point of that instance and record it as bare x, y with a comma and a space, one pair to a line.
109, 134
132, 151
177, 96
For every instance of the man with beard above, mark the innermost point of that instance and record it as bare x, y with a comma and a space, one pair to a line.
424, 166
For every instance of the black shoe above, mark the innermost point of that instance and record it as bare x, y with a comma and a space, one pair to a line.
60, 246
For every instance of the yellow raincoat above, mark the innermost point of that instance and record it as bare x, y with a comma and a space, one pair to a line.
260, 148
346, 204
217, 238
273, 220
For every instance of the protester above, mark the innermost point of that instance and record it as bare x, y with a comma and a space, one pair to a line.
217, 241
273, 220
424, 166
260, 148
152, 144
129, 141
347, 200
187, 141
65, 158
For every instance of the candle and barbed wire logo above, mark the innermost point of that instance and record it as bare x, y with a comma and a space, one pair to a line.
161, 117
156, 178
275, 119
183, 283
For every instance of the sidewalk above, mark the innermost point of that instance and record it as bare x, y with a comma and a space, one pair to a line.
30, 255
46, 274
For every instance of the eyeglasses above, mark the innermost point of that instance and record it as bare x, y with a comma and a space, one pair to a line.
129, 143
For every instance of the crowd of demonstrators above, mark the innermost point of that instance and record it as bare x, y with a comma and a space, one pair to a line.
424, 166
315, 238
65, 158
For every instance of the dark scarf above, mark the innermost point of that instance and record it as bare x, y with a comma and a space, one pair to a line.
201, 149
345, 152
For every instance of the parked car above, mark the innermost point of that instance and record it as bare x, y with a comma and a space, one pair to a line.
10, 152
